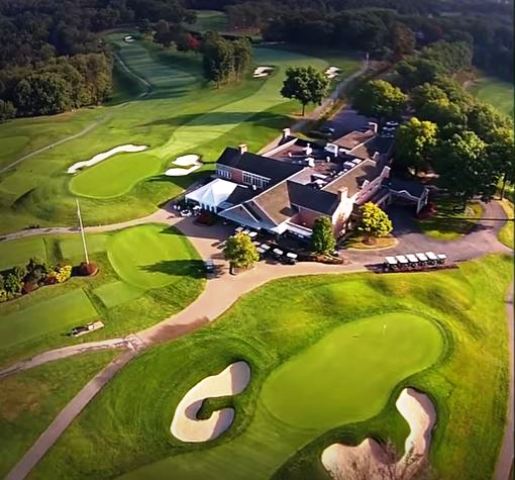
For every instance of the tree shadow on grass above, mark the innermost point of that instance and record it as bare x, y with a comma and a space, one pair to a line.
178, 268
260, 118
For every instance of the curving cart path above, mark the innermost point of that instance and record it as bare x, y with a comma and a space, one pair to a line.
221, 292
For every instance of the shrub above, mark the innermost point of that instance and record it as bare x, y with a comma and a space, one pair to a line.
29, 287
87, 269
63, 273
3, 296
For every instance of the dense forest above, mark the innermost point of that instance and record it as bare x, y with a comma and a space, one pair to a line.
53, 59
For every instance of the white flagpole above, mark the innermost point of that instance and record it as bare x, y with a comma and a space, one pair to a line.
82, 232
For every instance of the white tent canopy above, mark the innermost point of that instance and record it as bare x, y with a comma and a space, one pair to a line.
213, 194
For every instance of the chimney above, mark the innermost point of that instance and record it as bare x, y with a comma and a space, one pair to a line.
243, 148
342, 193
286, 133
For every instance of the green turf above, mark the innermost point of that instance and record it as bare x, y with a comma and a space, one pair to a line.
383, 349
19, 252
152, 256
451, 220
496, 92
38, 318
30, 400
126, 429
39, 321
209, 20
116, 293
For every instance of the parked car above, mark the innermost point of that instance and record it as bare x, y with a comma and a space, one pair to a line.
209, 266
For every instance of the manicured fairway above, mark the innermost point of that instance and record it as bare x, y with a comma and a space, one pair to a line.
495, 92
55, 316
299, 327
210, 20
152, 256
20, 251
30, 400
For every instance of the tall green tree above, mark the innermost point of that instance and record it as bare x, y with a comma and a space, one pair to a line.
380, 99
464, 167
442, 112
7, 110
403, 40
242, 56
414, 143
427, 92
374, 222
322, 239
305, 84
501, 155
240, 251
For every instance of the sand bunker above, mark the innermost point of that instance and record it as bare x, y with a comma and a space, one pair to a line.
332, 72
370, 459
185, 424
192, 161
99, 157
262, 72
128, 38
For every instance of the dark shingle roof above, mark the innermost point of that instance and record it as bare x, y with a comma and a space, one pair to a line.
275, 170
312, 198
354, 178
413, 188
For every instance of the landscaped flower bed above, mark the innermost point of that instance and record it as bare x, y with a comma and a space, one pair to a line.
21, 280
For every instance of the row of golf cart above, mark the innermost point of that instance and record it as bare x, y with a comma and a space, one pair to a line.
414, 261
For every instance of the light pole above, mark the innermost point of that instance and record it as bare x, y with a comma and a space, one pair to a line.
82, 232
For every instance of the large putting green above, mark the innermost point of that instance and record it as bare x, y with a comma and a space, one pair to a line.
324, 369
352, 370
152, 256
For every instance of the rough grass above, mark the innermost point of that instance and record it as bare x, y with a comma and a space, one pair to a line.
127, 426
507, 231
30, 400
40, 320
451, 221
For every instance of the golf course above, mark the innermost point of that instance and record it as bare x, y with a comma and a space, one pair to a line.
171, 111
328, 357
146, 273
496, 92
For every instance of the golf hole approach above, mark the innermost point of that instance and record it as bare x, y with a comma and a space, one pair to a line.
369, 457
185, 424
99, 157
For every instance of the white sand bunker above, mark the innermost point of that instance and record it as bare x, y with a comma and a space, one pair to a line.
185, 424
332, 72
99, 157
369, 458
192, 161
128, 38
262, 72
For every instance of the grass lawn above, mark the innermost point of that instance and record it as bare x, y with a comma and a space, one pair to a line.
210, 20
507, 231
146, 274
309, 372
30, 400
180, 115
451, 221
496, 92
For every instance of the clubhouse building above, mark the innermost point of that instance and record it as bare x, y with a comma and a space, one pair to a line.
287, 188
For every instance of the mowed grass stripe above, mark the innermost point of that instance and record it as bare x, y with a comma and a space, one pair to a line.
35, 318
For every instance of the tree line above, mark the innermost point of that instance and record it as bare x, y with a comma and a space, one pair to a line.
52, 58
469, 144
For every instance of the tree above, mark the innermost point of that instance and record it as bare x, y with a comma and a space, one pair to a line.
380, 99
427, 92
464, 166
442, 112
240, 251
501, 155
484, 120
242, 56
7, 110
305, 84
322, 239
403, 40
414, 143
374, 222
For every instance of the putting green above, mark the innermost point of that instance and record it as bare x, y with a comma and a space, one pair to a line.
36, 318
345, 377
152, 256
115, 175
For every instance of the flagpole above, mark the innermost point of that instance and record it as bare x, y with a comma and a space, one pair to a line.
82, 232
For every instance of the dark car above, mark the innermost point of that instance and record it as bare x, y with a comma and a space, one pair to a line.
209, 267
